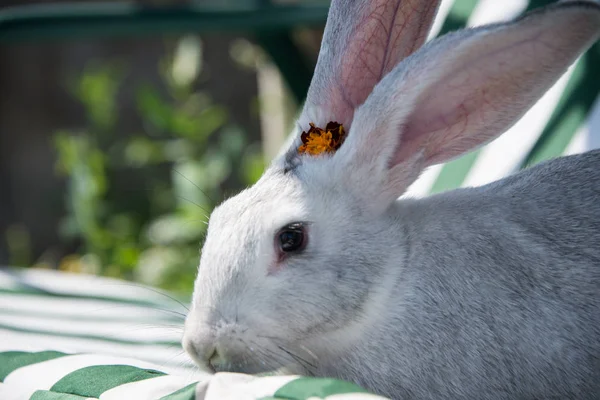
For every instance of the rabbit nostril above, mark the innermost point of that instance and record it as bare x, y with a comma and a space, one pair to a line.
216, 361
200, 355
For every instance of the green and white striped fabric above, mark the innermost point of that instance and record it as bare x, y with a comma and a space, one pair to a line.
67, 337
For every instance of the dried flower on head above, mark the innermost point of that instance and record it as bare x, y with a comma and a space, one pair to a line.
317, 141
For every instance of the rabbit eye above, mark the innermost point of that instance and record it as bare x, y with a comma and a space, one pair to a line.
292, 238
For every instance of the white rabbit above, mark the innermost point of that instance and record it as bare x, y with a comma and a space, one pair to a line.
481, 293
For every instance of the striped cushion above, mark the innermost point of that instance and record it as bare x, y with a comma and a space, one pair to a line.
68, 337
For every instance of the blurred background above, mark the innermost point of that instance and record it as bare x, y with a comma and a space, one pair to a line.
122, 124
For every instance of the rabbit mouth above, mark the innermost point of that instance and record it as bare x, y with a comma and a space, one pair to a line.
271, 357
239, 352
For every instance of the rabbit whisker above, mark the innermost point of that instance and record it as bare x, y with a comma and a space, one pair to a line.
151, 290
197, 187
297, 357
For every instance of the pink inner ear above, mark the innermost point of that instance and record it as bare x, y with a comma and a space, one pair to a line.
439, 123
387, 32
476, 97
364, 41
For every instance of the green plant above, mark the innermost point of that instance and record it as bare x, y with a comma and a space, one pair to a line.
138, 202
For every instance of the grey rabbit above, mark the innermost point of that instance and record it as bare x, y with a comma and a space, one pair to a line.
321, 269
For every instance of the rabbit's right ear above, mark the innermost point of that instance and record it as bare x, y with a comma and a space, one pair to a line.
457, 93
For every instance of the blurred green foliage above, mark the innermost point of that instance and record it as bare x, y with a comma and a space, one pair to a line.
138, 202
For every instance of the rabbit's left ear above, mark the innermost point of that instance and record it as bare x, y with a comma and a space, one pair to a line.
457, 93
362, 42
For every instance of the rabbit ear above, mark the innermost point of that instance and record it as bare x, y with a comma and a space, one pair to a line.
363, 41
457, 93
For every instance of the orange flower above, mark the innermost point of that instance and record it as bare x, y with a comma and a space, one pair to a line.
317, 141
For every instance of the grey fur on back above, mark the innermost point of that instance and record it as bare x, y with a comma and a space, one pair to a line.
500, 284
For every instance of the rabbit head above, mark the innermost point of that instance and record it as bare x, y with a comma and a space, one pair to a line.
296, 268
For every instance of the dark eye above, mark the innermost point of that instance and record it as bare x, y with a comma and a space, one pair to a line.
292, 238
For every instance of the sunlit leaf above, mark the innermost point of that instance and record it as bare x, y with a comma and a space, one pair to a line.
153, 109
97, 89
141, 151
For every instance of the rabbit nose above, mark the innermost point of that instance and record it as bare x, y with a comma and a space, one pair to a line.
217, 361
210, 358
201, 353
